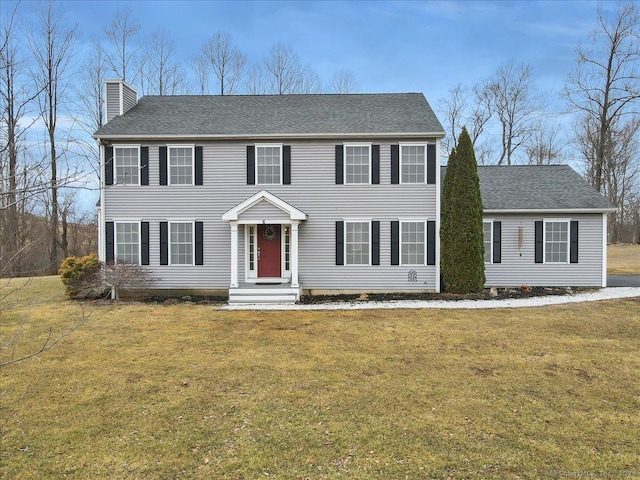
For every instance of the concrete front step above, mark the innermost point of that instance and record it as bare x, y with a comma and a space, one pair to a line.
246, 295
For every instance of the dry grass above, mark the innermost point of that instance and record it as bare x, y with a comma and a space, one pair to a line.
623, 258
187, 391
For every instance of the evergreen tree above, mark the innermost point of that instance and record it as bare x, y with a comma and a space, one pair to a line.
461, 235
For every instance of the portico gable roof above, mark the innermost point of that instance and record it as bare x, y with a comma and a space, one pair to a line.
233, 214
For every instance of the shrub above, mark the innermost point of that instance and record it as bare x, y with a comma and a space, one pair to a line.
77, 273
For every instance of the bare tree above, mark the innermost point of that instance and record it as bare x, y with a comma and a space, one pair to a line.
516, 106
283, 70
343, 81
256, 81
15, 102
309, 81
544, 147
200, 68
161, 74
51, 45
226, 61
605, 86
122, 52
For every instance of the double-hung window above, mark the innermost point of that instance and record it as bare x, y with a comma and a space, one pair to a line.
556, 241
181, 165
181, 241
269, 164
127, 165
412, 243
357, 164
487, 230
127, 242
413, 161
357, 242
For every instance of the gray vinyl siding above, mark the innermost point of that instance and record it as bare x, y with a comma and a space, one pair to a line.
129, 98
519, 268
113, 100
312, 190
262, 211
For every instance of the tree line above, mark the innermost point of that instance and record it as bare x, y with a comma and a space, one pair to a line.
52, 100
508, 122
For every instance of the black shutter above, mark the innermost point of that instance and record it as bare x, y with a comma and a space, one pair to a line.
375, 164
163, 166
108, 165
164, 243
251, 165
339, 165
539, 245
497, 242
395, 243
339, 243
144, 165
286, 165
431, 164
109, 233
573, 242
199, 242
144, 243
198, 163
395, 164
375, 242
431, 242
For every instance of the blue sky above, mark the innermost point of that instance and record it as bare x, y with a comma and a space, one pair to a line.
391, 46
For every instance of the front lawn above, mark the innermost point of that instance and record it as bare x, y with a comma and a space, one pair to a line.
623, 258
188, 391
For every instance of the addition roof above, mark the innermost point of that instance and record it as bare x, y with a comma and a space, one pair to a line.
231, 116
536, 188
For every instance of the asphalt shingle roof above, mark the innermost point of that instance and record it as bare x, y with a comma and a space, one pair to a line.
284, 115
536, 187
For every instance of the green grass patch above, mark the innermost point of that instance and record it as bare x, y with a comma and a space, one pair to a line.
188, 391
623, 258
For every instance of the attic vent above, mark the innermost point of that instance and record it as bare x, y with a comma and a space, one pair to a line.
120, 96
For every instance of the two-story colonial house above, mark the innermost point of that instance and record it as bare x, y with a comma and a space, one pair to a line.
264, 197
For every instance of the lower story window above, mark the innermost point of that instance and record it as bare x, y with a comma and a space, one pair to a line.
181, 243
487, 230
127, 242
357, 243
556, 242
412, 243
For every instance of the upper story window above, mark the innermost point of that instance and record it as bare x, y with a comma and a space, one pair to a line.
181, 165
487, 230
357, 243
556, 241
127, 165
127, 242
413, 160
357, 164
268, 164
412, 243
181, 240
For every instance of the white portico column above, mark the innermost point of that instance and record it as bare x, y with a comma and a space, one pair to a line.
294, 255
234, 255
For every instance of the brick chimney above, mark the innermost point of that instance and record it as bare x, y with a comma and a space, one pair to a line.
120, 97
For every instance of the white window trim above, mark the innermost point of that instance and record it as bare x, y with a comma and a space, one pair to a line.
115, 165
193, 243
193, 165
115, 239
490, 221
249, 273
424, 179
544, 239
344, 161
410, 220
344, 241
271, 145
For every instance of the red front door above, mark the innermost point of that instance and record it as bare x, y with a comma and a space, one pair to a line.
269, 251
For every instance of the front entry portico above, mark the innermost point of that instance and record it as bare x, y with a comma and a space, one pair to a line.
270, 227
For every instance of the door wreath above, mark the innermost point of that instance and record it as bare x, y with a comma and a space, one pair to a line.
269, 232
